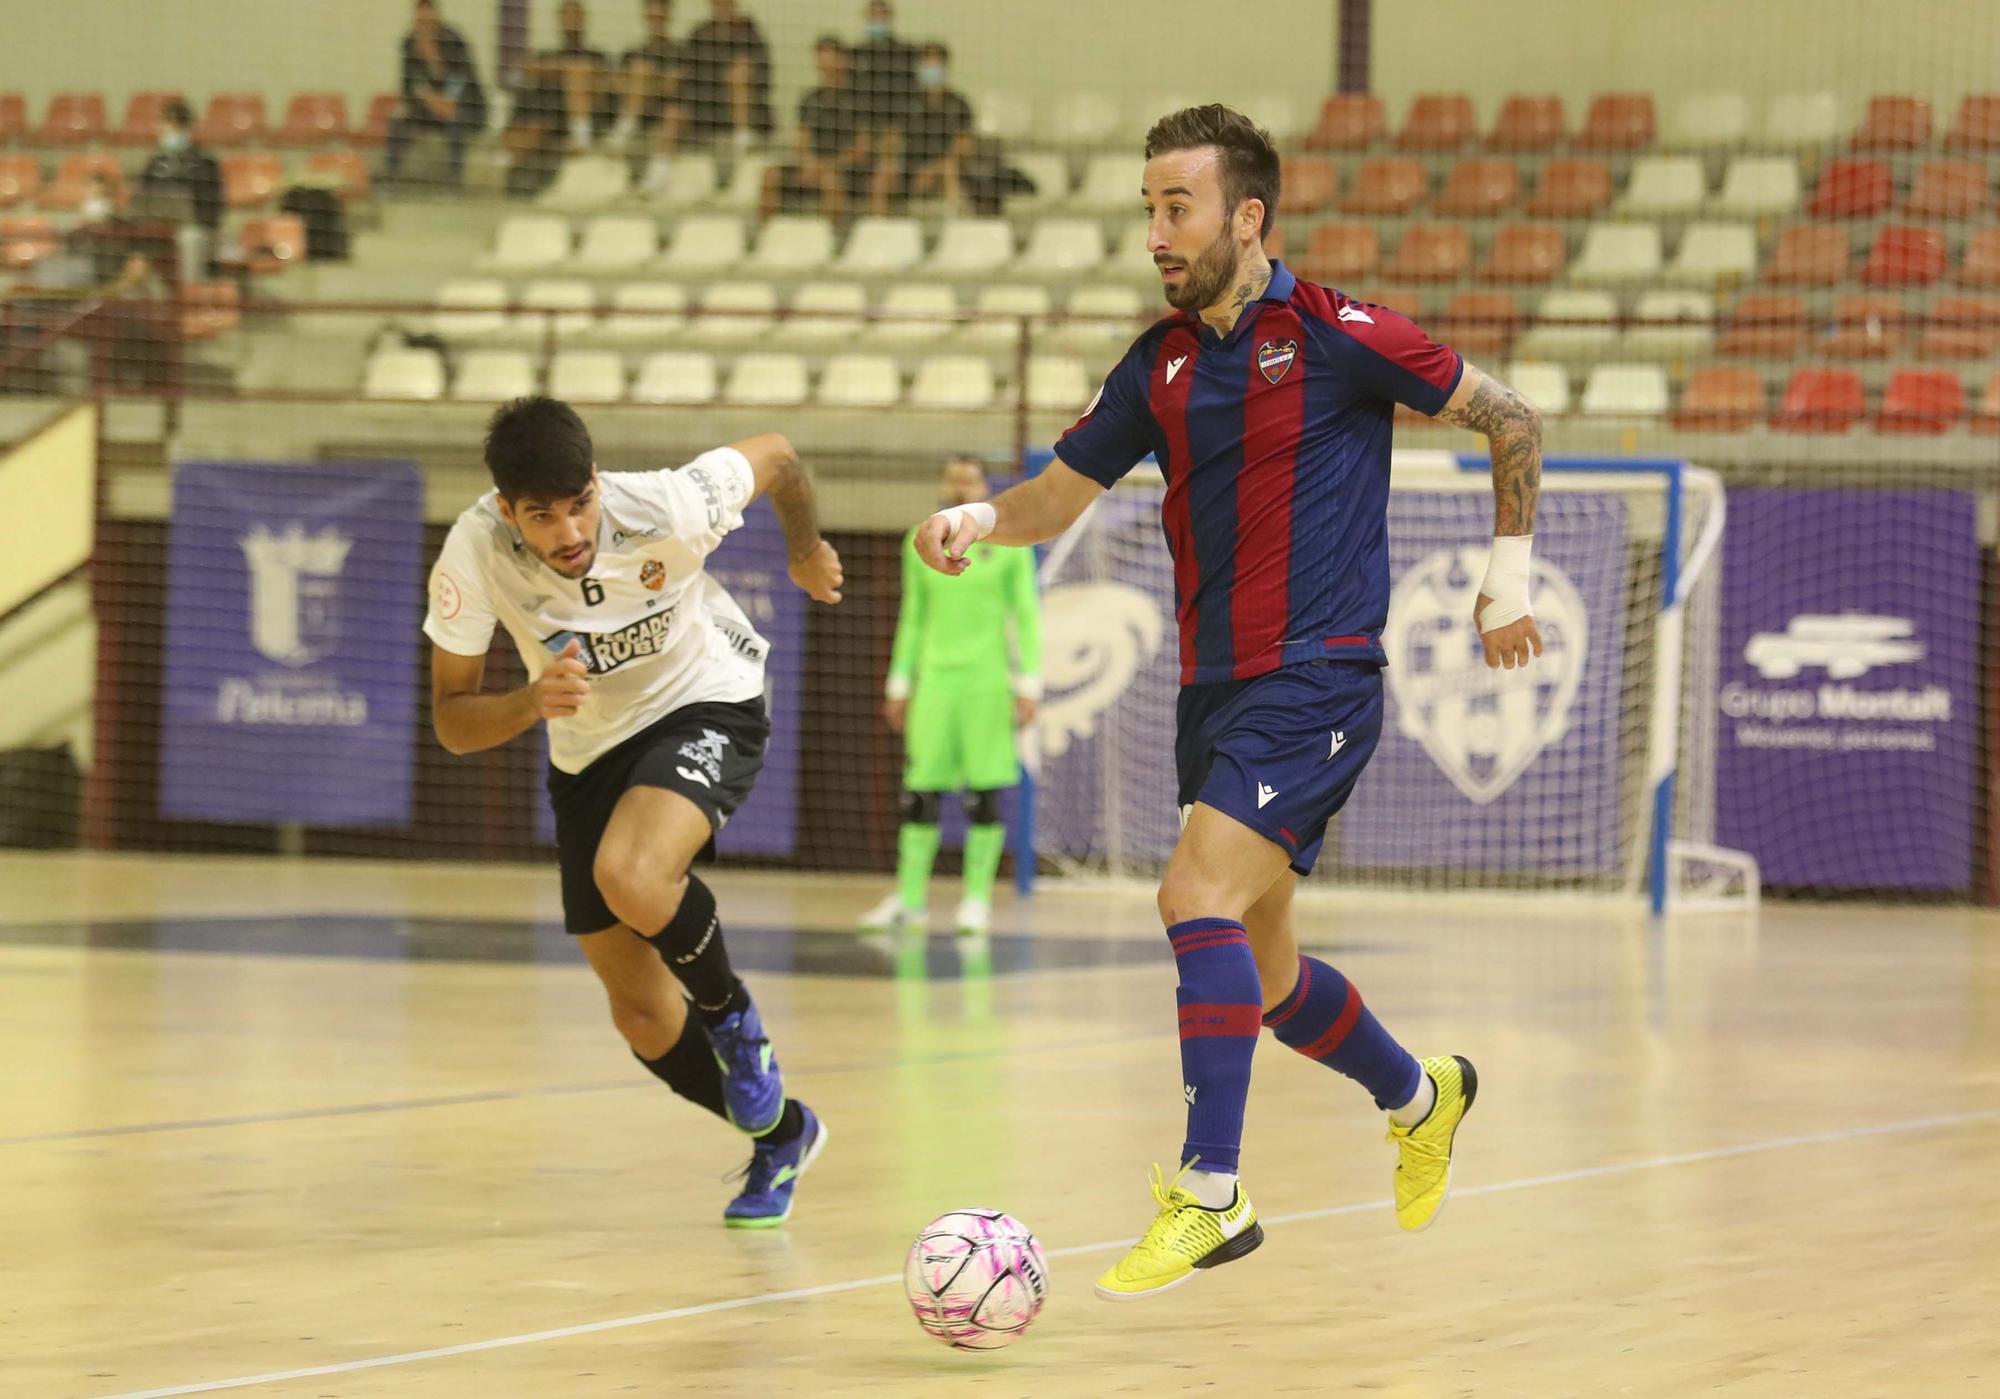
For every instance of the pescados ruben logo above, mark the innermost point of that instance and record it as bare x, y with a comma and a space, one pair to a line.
603, 652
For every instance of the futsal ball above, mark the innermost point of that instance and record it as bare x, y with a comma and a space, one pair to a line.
975, 1279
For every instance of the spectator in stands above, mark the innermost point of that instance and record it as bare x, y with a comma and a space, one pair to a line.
186, 181
828, 166
884, 71
930, 157
726, 78
570, 89
650, 99
441, 90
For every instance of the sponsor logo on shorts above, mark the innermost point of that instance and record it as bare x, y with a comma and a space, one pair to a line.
704, 753
1264, 795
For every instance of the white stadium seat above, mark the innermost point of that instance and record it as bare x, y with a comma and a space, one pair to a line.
586, 182
1111, 184
1563, 336
1715, 252
1005, 115
860, 381
746, 185
1706, 121
527, 242
587, 376
1132, 257
477, 306
1063, 245
953, 381
766, 380
1801, 119
676, 376
1124, 303
1664, 184
403, 373
690, 183
1058, 383
1005, 304
915, 314
1280, 116
571, 306
1081, 119
972, 245
492, 376
1756, 186
617, 243
1626, 391
705, 243
735, 311
1672, 324
826, 312
794, 243
882, 245
1618, 252
1047, 172
647, 310
1544, 385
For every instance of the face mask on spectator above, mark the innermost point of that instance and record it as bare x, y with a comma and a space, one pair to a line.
96, 208
875, 30
173, 141
931, 74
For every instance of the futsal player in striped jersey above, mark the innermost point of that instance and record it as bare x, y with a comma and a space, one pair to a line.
1268, 403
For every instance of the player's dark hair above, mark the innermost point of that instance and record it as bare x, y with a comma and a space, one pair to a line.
1249, 160
830, 41
538, 449
934, 47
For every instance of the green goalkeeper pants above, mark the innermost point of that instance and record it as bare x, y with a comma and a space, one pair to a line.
960, 740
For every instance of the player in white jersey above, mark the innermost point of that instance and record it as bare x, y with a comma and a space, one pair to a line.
651, 681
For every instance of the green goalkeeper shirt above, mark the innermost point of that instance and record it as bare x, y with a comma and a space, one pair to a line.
952, 633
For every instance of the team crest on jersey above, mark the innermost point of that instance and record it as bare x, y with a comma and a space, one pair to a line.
1483, 728
653, 574
1274, 357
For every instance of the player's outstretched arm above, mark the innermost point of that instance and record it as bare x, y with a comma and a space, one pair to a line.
815, 567
1033, 512
467, 721
1513, 431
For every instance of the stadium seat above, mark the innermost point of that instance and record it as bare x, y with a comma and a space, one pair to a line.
374, 130
1894, 124
860, 381
1048, 173
1976, 127
1000, 309
1059, 246
1809, 255
1386, 185
1431, 252
1528, 123
766, 380
1764, 326
344, 172
1664, 184
1980, 267
1571, 324
1342, 253
20, 180
1003, 115
560, 306
313, 119
1852, 189
1122, 305
1710, 121
469, 308
25, 240
1822, 400
914, 314
793, 243
250, 179
1801, 120
404, 373
210, 309
1571, 189
1759, 185
73, 119
587, 376
704, 243
1081, 119
1712, 253
1625, 391
1986, 418
617, 243
882, 245
1057, 383
1865, 326
528, 241
967, 247
964, 382
13, 116
1720, 398
1348, 121
744, 312
74, 172
676, 376
1905, 256
1962, 327
1310, 184
1131, 258
691, 181
1544, 385
1921, 401
587, 182
745, 192
1438, 121
493, 376
1617, 121
645, 311
1479, 324
1408, 301
145, 114
1525, 252
1618, 253
826, 312
1671, 325
232, 119
1111, 184
1948, 189
1282, 118
1479, 189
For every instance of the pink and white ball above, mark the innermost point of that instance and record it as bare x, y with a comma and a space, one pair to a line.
976, 1279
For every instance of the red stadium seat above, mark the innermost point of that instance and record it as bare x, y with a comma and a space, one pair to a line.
1408, 300
145, 114
1905, 256
210, 308
1343, 253
1822, 400
1948, 189
271, 245
1618, 121
1274, 242
1528, 124
1921, 401
13, 116
382, 110
1764, 326
1348, 121
1719, 398
313, 119
1309, 184
20, 179
1894, 124
1431, 252
1962, 327
1977, 125
74, 118
1865, 327
25, 241
1525, 252
1481, 322
1809, 255
1981, 265
250, 179
1438, 121
73, 176
1479, 189
1852, 189
1987, 418
1386, 185
1571, 189
348, 171
232, 119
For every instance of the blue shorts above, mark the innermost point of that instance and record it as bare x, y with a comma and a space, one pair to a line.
1280, 753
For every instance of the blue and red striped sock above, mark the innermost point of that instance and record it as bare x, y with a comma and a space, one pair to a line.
1324, 1019
1221, 1000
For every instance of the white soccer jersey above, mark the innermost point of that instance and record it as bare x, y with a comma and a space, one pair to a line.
656, 631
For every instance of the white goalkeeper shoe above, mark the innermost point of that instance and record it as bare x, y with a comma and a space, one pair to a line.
889, 916
975, 917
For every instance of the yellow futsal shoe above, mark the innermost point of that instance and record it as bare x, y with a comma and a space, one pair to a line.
1184, 1237
1423, 1152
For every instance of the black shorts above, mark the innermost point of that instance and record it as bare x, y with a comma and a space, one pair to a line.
710, 753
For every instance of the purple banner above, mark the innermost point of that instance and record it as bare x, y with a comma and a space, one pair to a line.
1849, 692
292, 595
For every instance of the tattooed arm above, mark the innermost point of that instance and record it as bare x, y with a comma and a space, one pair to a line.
1513, 431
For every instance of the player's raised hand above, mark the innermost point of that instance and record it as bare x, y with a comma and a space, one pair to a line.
560, 691
943, 540
1507, 647
819, 574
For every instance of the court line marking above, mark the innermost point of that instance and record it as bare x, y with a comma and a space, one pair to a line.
829, 1289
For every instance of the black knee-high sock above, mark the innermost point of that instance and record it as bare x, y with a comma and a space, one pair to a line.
692, 947
689, 1068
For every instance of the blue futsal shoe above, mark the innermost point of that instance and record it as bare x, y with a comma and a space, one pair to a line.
753, 1092
772, 1175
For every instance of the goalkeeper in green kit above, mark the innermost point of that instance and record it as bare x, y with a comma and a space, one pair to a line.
956, 695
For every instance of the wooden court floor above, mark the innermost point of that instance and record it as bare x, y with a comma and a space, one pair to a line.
308, 1129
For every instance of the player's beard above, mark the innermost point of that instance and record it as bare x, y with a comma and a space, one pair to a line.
1208, 276
575, 568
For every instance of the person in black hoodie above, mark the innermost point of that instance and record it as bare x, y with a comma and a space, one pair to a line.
441, 90
181, 169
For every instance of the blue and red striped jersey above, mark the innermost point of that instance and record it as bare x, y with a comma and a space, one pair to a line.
1274, 440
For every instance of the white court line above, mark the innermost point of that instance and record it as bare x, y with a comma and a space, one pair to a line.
1651, 1163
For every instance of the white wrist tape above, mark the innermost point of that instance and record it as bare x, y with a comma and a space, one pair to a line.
1506, 582
979, 512
1028, 687
897, 688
